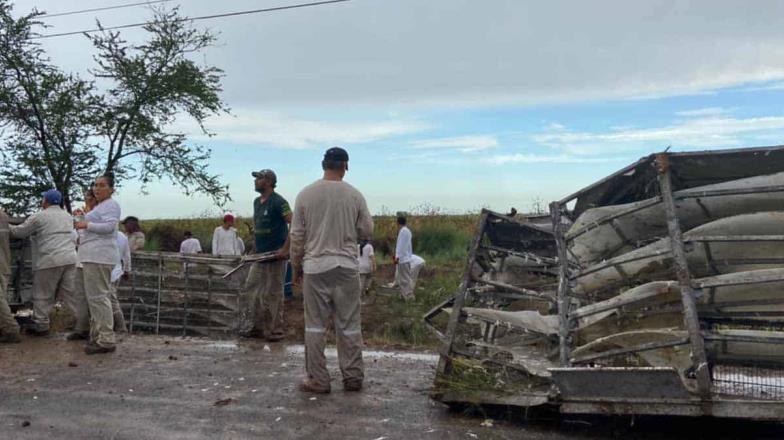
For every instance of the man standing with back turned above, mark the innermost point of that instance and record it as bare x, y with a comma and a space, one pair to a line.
330, 217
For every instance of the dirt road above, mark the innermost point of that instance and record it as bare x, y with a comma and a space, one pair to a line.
174, 388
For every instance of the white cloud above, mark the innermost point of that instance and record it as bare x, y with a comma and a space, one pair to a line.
503, 159
463, 144
277, 130
707, 132
706, 111
457, 52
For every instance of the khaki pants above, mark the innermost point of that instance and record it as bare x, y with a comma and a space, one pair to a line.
77, 301
404, 280
261, 301
46, 284
7, 322
334, 293
415, 276
97, 294
365, 280
119, 319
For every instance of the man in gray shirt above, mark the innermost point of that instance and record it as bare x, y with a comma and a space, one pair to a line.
330, 217
55, 257
9, 329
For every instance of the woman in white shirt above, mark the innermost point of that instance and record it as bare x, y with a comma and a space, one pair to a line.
367, 265
98, 253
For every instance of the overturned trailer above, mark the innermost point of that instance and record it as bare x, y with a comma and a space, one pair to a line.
668, 299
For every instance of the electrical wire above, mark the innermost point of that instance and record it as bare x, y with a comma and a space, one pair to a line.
105, 8
204, 17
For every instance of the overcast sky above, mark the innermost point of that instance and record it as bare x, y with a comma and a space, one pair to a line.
460, 104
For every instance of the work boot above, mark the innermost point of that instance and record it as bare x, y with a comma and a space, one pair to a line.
309, 387
10, 338
352, 385
32, 331
78, 336
92, 348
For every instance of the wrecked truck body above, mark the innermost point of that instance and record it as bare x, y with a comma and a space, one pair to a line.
659, 292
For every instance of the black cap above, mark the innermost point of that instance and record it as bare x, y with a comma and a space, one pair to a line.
336, 154
131, 219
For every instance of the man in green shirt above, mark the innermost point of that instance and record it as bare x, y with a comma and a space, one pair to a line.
262, 297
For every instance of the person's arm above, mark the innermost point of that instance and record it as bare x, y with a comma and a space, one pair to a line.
198, 246
285, 251
297, 239
240, 245
399, 245
215, 242
109, 219
372, 256
364, 221
25, 229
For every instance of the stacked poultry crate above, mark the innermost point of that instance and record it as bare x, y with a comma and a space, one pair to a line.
669, 297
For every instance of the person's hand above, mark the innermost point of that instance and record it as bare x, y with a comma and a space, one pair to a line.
80, 225
297, 277
126, 275
282, 254
395, 260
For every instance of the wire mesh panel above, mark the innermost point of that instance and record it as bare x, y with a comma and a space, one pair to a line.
175, 294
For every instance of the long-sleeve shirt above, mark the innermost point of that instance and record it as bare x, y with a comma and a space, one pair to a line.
226, 242
98, 243
5, 248
403, 248
52, 237
136, 241
123, 261
190, 246
330, 217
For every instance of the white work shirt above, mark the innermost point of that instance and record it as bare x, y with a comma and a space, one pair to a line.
51, 231
403, 248
190, 246
226, 242
416, 261
123, 262
98, 243
365, 265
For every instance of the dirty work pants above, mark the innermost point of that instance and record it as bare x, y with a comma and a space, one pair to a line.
334, 293
46, 283
119, 319
97, 293
404, 281
78, 303
365, 279
261, 302
7, 322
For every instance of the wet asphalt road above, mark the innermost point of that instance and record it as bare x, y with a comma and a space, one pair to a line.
174, 388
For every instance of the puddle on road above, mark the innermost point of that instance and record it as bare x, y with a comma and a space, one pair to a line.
299, 350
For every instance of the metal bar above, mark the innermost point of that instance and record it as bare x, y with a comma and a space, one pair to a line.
185, 303
744, 338
611, 263
444, 363
732, 238
562, 296
623, 171
690, 316
160, 287
525, 292
729, 192
612, 217
626, 350
544, 261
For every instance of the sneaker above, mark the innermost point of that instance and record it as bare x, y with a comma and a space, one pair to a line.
93, 348
10, 338
309, 387
77, 336
352, 385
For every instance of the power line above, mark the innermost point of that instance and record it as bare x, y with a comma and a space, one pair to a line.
105, 8
204, 17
